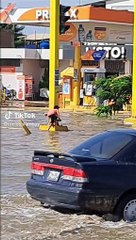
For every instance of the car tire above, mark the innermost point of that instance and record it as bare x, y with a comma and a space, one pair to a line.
44, 205
126, 209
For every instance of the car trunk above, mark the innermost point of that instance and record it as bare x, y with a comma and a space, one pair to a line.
57, 168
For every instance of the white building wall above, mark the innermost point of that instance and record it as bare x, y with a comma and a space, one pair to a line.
32, 67
121, 5
128, 67
22, 53
102, 64
12, 53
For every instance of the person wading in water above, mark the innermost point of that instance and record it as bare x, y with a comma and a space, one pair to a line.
54, 116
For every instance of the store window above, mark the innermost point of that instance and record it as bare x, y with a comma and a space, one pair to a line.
114, 67
89, 77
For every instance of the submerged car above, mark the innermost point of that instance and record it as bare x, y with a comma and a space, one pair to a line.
99, 175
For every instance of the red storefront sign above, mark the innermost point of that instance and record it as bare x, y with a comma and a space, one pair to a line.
7, 69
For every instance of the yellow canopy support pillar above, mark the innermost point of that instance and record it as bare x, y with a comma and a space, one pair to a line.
77, 76
134, 68
54, 52
132, 120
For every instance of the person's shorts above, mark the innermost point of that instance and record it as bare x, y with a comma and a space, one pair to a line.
53, 118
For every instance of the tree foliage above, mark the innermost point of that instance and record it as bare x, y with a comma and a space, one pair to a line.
44, 83
18, 34
117, 88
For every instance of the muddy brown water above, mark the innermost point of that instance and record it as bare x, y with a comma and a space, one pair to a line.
23, 218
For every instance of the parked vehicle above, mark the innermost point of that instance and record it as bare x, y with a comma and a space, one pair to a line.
99, 175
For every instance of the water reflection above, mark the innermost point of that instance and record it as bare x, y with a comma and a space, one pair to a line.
52, 142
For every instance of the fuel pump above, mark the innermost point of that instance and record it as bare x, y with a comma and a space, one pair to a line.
89, 90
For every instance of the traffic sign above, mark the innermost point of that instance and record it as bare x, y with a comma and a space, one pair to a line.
99, 55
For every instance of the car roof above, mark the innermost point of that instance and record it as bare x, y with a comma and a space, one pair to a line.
124, 130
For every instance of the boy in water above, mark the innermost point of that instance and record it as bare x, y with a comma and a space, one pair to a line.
54, 116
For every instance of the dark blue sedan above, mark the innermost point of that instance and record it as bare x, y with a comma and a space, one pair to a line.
99, 175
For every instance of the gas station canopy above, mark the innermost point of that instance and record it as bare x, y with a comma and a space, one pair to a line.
41, 16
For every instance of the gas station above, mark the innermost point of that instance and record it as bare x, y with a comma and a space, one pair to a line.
86, 24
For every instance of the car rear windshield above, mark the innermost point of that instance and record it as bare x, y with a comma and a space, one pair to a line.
103, 146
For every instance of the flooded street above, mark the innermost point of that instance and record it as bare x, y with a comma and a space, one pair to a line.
23, 218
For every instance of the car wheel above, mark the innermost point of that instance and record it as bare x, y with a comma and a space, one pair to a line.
126, 208
45, 205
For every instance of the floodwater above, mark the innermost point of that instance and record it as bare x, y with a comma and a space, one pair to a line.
23, 218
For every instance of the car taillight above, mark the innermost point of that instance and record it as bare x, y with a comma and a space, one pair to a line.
37, 169
75, 175
68, 173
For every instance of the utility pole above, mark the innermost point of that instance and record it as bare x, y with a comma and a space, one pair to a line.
77, 75
132, 120
134, 68
54, 51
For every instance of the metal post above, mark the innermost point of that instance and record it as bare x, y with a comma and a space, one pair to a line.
77, 77
54, 50
77, 66
134, 67
132, 120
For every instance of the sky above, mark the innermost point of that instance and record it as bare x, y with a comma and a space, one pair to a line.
41, 3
